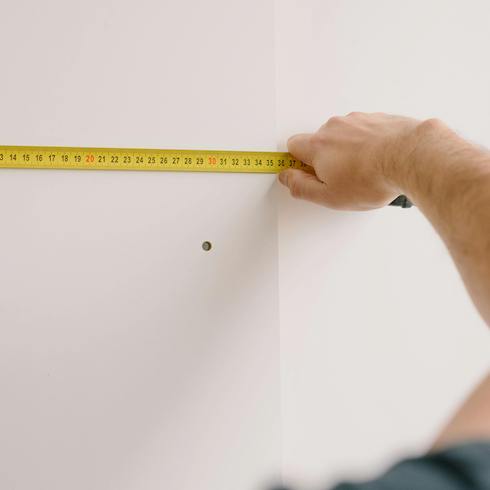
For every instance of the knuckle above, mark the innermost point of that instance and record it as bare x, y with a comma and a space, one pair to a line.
433, 123
354, 114
318, 138
333, 121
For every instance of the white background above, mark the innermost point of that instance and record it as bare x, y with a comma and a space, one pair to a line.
131, 359
379, 340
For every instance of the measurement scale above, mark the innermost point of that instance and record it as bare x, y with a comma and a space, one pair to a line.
72, 158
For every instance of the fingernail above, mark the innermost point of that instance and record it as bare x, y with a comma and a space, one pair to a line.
283, 178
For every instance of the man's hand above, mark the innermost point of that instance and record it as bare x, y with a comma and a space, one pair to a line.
349, 158
363, 161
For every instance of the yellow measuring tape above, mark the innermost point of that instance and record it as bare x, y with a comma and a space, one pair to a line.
59, 157
53, 157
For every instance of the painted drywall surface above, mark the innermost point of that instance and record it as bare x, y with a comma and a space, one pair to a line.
88, 403
379, 341
129, 357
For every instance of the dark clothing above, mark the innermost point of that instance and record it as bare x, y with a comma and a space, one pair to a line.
463, 467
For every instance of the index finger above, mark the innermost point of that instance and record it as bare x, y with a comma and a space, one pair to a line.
301, 148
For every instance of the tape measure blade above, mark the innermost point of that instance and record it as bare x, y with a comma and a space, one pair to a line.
54, 157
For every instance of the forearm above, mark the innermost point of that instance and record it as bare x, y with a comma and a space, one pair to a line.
363, 161
449, 180
471, 422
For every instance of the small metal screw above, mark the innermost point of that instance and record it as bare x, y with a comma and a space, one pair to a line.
207, 246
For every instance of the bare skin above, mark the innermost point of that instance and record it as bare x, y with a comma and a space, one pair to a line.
363, 161
471, 422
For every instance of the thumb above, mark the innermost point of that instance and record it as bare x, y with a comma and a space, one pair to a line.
304, 185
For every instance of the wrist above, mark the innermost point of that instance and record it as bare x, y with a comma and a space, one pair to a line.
432, 165
415, 161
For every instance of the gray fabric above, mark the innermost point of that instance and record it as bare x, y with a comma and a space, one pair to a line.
463, 467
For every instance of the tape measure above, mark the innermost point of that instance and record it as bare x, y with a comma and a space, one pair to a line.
72, 158
51, 157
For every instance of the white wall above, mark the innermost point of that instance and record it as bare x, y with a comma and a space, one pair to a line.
379, 341
129, 357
